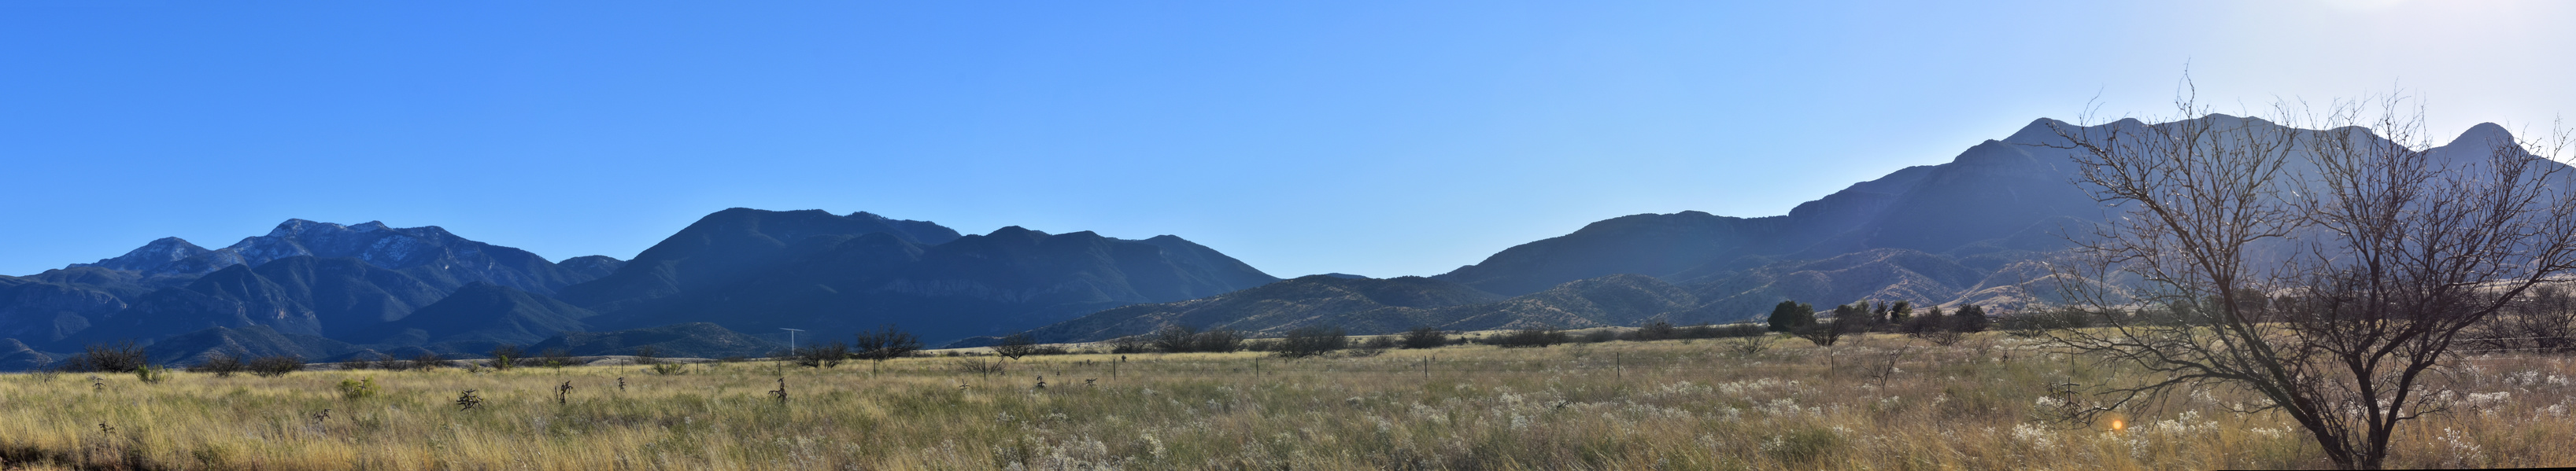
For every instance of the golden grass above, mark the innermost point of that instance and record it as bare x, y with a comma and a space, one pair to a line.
1620, 405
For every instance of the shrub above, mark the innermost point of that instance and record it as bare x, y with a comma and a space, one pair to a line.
1184, 339
150, 374
1380, 343
275, 365
1312, 340
1128, 344
647, 355
670, 369
1598, 336
821, 356
1749, 346
977, 366
1935, 327
1726, 331
555, 358
1805, 445
1016, 346
430, 360
505, 356
1657, 330
1826, 334
223, 365
1219, 341
1541, 337
358, 389
2035, 323
886, 343
1425, 337
121, 357
1174, 338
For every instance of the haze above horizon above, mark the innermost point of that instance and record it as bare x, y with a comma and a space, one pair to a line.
1374, 138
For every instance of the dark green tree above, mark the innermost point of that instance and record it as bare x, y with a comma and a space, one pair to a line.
1970, 318
1790, 315
1856, 316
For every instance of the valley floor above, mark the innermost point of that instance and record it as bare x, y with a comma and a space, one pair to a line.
1880, 403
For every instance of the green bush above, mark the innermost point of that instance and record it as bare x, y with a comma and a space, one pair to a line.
354, 389
1806, 445
151, 374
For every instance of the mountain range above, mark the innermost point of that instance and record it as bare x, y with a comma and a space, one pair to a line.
323, 291
1968, 231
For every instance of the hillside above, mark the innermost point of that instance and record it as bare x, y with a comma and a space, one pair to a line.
690, 340
1366, 306
752, 270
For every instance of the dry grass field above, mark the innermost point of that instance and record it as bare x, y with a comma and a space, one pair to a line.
1881, 403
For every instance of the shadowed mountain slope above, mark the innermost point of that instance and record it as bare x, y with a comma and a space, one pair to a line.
16, 356
1366, 306
836, 283
1296, 302
690, 340
482, 313
245, 342
296, 295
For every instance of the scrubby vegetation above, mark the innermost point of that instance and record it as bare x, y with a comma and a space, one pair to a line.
1871, 401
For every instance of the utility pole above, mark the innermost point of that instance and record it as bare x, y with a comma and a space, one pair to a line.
791, 338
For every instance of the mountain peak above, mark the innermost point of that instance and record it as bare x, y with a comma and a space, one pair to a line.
2485, 135
2038, 131
159, 253
294, 226
1017, 231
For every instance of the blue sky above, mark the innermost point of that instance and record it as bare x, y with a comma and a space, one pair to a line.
1379, 138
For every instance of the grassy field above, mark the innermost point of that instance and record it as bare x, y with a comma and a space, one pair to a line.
1882, 403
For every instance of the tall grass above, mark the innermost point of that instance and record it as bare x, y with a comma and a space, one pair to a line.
1883, 403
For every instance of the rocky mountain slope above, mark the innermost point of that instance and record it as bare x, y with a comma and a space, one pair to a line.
303, 278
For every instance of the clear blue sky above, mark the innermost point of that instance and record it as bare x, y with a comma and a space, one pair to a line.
1379, 138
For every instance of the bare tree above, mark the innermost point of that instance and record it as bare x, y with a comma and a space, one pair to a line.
886, 343
223, 365
1016, 345
2327, 271
2544, 321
